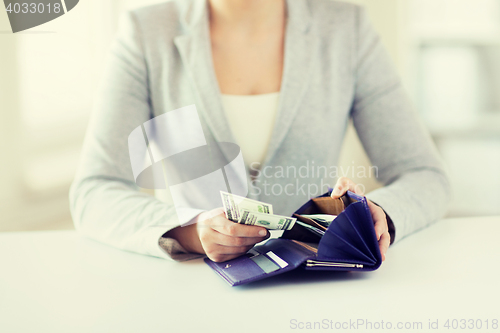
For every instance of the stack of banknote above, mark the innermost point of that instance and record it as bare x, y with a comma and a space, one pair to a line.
252, 212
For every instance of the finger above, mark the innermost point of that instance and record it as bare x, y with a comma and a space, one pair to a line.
210, 246
379, 218
343, 185
383, 244
380, 229
224, 226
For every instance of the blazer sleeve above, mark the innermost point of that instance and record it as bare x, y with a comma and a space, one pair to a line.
105, 202
417, 190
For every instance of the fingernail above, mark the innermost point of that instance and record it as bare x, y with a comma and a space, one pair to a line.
263, 232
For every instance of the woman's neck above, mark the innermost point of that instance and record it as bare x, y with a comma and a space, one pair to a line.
247, 15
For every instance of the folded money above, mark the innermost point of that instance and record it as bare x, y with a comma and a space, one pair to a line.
234, 204
268, 221
252, 212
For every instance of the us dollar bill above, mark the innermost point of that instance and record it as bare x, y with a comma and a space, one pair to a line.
268, 221
234, 204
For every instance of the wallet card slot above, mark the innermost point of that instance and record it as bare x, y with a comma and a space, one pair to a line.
276, 259
288, 251
264, 263
252, 253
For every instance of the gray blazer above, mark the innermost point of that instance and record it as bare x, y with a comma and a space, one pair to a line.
335, 68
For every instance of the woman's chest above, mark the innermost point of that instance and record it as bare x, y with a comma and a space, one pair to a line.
248, 67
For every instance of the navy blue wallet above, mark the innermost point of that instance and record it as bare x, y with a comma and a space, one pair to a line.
349, 243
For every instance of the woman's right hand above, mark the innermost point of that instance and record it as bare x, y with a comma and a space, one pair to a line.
222, 239
211, 233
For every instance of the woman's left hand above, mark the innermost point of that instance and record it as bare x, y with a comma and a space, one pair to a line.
379, 218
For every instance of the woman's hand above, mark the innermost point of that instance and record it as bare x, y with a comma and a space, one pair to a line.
217, 237
223, 239
381, 227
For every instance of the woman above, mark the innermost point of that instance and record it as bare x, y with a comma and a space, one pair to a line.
302, 68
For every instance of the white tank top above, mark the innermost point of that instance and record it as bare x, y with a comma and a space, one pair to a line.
251, 119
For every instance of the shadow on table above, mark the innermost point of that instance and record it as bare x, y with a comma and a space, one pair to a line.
302, 276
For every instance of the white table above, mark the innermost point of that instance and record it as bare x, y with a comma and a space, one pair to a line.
63, 282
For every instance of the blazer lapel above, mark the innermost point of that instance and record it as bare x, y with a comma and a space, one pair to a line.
195, 51
300, 45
